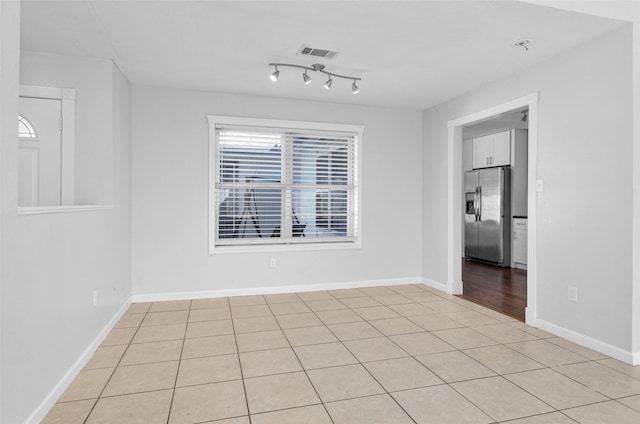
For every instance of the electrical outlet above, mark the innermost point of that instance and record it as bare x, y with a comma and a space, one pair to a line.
95, 298
572, 294
272, 262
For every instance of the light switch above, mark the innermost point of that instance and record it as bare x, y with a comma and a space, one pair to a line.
539, 186
572, 294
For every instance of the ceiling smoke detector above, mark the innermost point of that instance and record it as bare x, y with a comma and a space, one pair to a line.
323, 53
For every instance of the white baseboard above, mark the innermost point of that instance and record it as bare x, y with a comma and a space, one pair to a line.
156, 297
434, 284
589, 342
43, 409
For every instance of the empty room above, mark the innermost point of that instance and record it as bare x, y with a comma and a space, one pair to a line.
322, 212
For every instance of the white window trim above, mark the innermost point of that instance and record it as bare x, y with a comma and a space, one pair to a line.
67, 96
39, 210
215, 120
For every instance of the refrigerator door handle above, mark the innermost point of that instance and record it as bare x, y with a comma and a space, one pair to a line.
475, 204
479, 210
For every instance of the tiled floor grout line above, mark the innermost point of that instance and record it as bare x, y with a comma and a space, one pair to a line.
116, 367
364, 367
175, 381
448, 384
300, 363
432, 371
235, 338
400, 347
502, 375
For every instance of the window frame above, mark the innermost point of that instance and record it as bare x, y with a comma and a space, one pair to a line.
217, 120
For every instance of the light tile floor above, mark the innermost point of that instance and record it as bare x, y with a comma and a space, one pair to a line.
388, 355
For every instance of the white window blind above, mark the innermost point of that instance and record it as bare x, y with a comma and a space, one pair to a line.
275, 185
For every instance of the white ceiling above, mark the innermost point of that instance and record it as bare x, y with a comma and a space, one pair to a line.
411, 54
501, 122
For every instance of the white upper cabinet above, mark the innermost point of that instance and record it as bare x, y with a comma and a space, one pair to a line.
482, 151
501, 149
492, 150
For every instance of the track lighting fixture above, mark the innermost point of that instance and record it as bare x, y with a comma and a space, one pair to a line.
306, 78
275, 75
317, 67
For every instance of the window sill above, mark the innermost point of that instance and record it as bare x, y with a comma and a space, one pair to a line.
301, 247
37, 210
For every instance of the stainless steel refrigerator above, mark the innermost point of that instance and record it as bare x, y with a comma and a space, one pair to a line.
487, 219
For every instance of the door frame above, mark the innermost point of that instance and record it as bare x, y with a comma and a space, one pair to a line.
454, 200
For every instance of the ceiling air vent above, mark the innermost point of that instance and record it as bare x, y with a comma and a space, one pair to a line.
310, 51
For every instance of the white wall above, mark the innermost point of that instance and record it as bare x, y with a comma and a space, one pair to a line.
170, 192
52, 263
93, 147
584, 156
9, 74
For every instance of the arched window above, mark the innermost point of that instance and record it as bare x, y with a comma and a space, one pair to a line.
25, 129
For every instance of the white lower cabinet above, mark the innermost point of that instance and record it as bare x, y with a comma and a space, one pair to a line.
519, 246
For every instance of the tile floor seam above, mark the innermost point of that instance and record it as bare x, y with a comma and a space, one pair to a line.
215, 335
116, 367
542, 366
133, 393
372, 376
559, 409
600, 361
509, 345
175, 381
303, 368
463, 351
625, 405
552, 369
377, 394
584, 384
244, 386
594, 403
221, 419
488, 414
597, 361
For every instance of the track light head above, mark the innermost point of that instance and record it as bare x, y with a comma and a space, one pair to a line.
307, 79
327, 84
275, 75
354, 88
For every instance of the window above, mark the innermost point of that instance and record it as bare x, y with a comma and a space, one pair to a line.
25, 129
283, 184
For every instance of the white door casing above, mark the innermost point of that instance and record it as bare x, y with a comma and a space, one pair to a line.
455, 187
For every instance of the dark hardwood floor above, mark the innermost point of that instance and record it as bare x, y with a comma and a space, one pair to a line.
502, 289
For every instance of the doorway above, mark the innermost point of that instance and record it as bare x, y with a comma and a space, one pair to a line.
494, 171
511, 273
